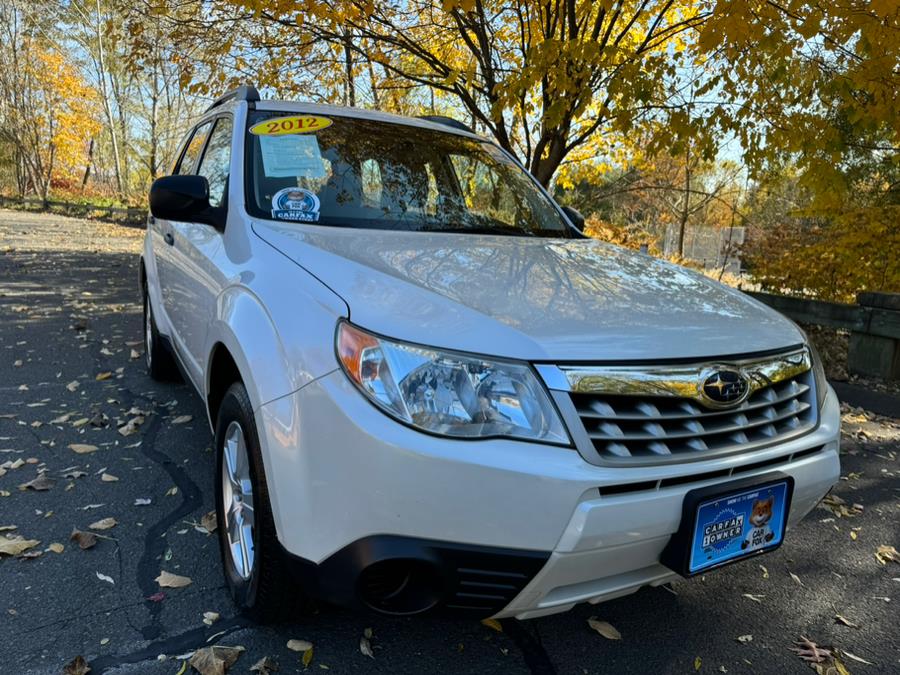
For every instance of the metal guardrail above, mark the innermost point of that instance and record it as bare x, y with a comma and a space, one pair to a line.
873, 322
115, 214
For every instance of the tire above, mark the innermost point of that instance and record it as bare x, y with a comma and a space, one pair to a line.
159, 360
257, 578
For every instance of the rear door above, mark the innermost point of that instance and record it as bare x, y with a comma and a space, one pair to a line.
196, 280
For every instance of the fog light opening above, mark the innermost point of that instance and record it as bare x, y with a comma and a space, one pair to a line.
400, 586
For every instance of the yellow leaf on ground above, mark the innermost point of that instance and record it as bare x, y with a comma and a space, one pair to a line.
605, 628
169, 580
104, 524
16, 545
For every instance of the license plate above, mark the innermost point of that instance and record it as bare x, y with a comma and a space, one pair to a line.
727, 522
732, 526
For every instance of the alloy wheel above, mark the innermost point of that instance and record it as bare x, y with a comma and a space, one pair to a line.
237, 500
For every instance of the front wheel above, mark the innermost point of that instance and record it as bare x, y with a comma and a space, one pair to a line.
252, 562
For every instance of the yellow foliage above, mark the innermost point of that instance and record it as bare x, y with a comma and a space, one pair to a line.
621, 235
842, 254
62, 114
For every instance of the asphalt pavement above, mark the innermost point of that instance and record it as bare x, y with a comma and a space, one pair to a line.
82, 422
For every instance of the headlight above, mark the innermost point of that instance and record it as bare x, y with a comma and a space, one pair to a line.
446, 393
818, 374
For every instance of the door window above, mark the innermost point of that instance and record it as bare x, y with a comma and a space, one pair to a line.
188, 160
217, 161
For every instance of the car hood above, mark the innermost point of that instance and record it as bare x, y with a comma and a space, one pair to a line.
529, 298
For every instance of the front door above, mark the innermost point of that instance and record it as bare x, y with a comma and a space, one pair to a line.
196, 281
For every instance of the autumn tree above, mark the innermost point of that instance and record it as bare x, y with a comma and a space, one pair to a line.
47, 110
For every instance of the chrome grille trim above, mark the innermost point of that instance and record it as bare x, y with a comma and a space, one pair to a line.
682, 380
645, 415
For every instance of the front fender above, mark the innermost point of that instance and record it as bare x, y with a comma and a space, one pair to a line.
278, 347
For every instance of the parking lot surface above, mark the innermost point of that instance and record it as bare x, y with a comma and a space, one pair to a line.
89, 443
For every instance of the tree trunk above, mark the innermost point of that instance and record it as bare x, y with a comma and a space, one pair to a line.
87, 166
685, 207
104, 92
350, 86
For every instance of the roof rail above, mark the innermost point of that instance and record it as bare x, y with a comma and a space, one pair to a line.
447, 121
246, 92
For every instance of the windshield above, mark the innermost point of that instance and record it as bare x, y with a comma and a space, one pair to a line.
348, 172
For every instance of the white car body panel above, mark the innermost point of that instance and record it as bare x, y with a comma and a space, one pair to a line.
531, 299
339, 469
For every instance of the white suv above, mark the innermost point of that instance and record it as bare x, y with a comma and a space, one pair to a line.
429, 389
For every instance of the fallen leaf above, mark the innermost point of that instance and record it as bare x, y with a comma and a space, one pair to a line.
77, 666
209, 618
83, 448
215, 660
159, 596
104, 524
142, 501
17, 545
307, 657
131, 426
107, 579
169, 580
72, 386
844, 620
135, 354
265, 666
744, 639
85, 540
172, 491
493, 624
57, 548
824, 660
108, 478
856, 658
764, 571
41, 483
698, 662
604, 628
62, 419
182, 419
365, 647
299, 645
754, 598
208, 521
103, 376
796, 579
886, 554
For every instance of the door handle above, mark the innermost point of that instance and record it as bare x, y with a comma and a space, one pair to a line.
170, 238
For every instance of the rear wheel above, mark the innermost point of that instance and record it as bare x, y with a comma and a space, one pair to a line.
160, 362
254, 568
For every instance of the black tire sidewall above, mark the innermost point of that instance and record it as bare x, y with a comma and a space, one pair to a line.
236, 407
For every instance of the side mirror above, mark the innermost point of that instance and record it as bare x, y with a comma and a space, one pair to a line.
575, 216
184, 198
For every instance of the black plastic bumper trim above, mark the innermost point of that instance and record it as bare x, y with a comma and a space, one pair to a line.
477, 579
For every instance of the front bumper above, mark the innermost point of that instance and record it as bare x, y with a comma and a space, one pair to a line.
340, 472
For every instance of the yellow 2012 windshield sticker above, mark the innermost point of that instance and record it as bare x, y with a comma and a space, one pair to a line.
295, 124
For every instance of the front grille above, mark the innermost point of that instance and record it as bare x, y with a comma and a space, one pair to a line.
650, 428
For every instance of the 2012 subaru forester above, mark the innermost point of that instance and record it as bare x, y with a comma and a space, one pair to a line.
428, 388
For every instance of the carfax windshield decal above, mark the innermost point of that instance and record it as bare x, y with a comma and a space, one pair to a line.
734, 526
295, 124
297, 204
